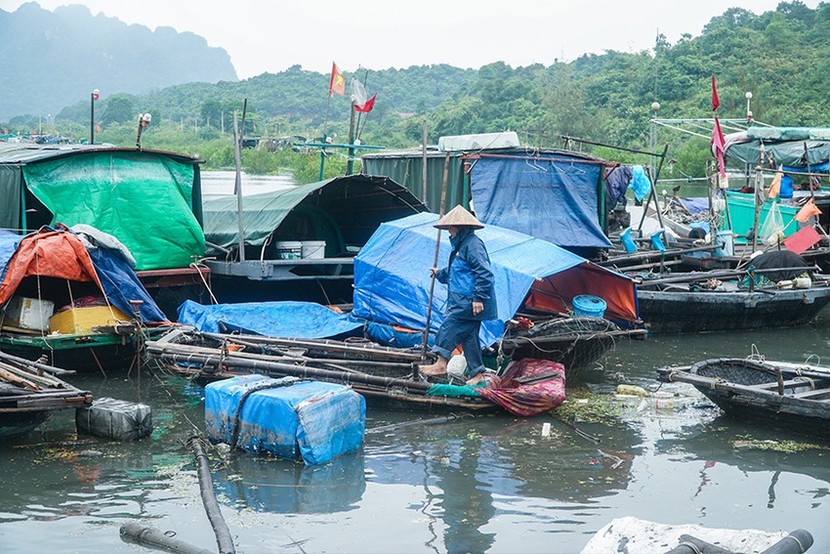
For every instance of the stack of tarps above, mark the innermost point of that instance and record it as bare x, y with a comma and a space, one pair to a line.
300, 420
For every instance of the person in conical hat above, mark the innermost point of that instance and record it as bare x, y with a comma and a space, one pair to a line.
471, 295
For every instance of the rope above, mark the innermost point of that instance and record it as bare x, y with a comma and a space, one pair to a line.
284, 382
198, 265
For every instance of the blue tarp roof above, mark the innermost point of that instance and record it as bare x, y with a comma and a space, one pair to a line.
553, 197
392, 280
276, 319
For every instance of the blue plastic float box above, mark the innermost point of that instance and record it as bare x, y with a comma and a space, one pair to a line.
300, 420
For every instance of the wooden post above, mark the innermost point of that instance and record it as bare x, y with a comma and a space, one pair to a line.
423, 165
759, 188
238, 187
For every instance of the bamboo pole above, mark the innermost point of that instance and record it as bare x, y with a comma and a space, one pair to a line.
169, 353
434, 262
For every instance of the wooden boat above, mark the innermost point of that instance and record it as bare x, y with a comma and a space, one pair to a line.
383, 375
720, 300
576, 342
797, 395
30, 391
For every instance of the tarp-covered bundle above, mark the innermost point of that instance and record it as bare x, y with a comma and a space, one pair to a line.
392, 279
61, 254
793, 147
294, 419
276, 319
150, 201
554, 197
343, 211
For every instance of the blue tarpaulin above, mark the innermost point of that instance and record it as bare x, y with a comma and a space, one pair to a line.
121, 284
305, 320
392, 280
8, 244
554, 198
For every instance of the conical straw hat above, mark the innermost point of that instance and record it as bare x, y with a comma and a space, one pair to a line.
458, 217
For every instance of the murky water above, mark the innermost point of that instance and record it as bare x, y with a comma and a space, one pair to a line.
221, 183
479, 484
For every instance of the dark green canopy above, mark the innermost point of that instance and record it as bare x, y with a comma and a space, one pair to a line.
782, 145
343, 211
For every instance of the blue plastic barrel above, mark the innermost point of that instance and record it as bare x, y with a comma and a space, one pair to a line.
588, 305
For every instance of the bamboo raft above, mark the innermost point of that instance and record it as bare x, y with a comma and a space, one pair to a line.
796, 395
30, 391
381, 374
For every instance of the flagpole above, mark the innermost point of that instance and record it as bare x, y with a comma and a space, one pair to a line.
350, 158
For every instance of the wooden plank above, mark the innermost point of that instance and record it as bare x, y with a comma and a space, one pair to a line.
788, 384
817, 394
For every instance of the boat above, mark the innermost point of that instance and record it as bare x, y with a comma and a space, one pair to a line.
299, 241
778, 289
383, 375
149, 200
70, 297
534, 280
796, 396
30, 392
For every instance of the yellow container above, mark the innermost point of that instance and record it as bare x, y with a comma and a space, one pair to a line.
81, 321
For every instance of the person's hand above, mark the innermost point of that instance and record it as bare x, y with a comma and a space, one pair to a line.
478, 307
433, 271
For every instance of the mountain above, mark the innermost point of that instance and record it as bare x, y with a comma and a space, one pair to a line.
53, 59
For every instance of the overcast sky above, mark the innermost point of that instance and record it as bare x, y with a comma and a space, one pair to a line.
272, 35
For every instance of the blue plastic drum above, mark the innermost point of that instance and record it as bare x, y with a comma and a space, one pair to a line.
587, 305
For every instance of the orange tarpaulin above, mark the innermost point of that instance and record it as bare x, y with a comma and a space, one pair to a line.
48, 254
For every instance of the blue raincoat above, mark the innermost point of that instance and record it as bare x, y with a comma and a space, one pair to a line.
469, 278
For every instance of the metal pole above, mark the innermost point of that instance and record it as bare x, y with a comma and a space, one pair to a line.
350, 159
92, 118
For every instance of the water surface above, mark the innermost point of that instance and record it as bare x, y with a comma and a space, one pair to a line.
480, 484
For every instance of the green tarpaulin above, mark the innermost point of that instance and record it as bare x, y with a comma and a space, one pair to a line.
143, 199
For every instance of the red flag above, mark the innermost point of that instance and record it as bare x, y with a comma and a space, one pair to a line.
715, 99
718, 146
367, 106
337, 84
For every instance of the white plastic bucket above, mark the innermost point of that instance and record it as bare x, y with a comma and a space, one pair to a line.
288, 249
726, 243
314, 249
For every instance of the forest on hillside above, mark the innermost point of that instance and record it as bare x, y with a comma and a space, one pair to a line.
781, 56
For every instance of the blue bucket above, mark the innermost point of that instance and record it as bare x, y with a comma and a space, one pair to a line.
588, 305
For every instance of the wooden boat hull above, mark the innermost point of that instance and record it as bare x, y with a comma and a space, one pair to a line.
575, 342
794, 396
15, 424
680, 311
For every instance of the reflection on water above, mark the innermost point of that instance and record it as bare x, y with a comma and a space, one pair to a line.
481, 484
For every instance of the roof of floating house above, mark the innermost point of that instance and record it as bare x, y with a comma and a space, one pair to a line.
150, 200
392, 278
343, 211
551, 194
782, 145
